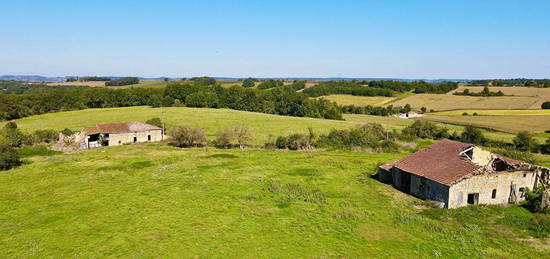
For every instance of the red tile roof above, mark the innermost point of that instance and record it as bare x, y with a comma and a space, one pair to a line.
440, 162
119, 127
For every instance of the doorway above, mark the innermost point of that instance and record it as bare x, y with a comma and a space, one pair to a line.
473, 198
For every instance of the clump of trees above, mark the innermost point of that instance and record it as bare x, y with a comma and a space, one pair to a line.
267, 84
375, 110
9, 158
123, 81
155, 122
249, 82
95, 78
485, 93
543, 83
187, 136
426, 129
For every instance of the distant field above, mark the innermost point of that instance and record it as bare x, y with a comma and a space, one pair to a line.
78, 83
145, 84
444, 102
211, 120
539, 95
344, 99
496, 112
507, 123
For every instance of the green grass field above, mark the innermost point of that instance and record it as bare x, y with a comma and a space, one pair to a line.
145, 84
211, 120
153, 200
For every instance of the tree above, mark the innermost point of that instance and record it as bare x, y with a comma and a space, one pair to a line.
11, 136
46, 136
187, 136
423, 109
524, 141
473, 135
545, 105
249, 82
486, 91
9, 158
155, 122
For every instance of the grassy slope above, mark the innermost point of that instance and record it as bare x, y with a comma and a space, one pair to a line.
157, 201
211, 120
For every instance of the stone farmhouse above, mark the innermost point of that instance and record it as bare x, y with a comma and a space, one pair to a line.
118, 133
456, 174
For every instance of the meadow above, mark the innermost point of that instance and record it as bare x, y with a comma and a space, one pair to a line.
505, 123
211, 120
152, 200
444, 102
538, 95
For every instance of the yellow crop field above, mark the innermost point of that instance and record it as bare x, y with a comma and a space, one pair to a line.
344, 99
507, 123
497, 112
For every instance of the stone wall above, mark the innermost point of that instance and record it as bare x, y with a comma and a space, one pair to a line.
485, 184
128, 138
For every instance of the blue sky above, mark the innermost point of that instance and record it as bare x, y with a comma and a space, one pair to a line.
407, 39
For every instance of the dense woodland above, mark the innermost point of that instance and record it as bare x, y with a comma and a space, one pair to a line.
282, 100
513, 82
378, 88
123, 81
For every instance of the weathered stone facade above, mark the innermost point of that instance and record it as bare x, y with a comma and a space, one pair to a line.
463, 175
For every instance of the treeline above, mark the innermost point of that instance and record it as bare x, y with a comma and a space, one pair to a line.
378, 88
280, 100
377, 110
95, 78
123, 81
485, 93
346, 87
16, 87
545, 83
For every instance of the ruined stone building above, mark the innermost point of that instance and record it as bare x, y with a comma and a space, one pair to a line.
458, 174
119, 133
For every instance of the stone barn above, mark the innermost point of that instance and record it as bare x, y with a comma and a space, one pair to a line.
458, 174
119, 133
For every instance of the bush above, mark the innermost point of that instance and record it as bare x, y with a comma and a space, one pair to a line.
524, 141
46, 136
67, 132
473, 135
10, 135
426, 129
464, 114
187, 136
9, 158
545, 105
155, 122
40, 150
234, 136
533, 200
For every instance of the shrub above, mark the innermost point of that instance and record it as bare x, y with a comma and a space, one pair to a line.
155, 122
9, 158
545, 105
40, 150
464, 114
10, 135
426, 129
473, 135
533, 200
524, 141
235, 136
475, 114
67, 132
187, 136
46, 136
